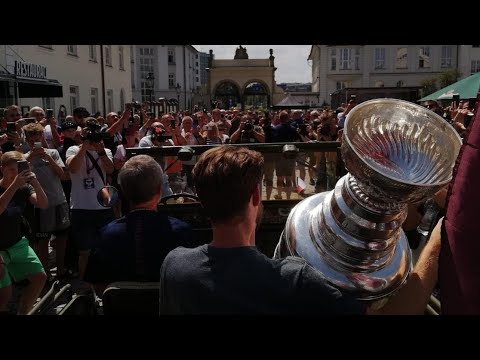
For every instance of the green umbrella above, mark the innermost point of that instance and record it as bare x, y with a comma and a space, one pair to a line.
466, 88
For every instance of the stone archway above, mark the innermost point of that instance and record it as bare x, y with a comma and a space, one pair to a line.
256, 93
227, 94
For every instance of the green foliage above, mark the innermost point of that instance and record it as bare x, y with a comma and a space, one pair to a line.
429, 86
448, 77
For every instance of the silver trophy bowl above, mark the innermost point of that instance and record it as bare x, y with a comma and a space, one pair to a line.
396, 153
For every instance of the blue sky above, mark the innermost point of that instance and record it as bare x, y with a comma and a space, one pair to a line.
290, 60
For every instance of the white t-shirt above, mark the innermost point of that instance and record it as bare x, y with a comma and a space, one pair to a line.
86, 184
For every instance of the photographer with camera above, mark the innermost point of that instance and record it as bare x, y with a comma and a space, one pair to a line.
51, 136
49, 168
89, 165
157, 136
247, 132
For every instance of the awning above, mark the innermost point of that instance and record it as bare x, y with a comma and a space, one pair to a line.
467, 88
29, 88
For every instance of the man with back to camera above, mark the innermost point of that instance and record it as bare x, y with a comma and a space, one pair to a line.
231, 276
133, 247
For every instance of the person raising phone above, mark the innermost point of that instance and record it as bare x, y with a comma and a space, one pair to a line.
21, 262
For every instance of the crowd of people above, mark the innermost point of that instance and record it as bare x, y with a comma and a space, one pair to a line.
54, 200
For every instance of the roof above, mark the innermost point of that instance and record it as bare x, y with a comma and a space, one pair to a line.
289, 103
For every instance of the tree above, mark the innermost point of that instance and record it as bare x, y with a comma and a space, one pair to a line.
448, 77
429, 86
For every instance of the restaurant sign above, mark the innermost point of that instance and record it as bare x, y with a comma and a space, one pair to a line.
30, 70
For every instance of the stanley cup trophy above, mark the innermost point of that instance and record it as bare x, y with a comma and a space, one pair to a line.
396, 153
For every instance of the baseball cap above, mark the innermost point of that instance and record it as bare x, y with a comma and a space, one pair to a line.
68, 125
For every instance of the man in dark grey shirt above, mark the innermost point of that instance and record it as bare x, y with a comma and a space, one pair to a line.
231, 276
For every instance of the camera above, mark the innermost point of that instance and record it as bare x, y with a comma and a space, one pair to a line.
471, 103
93, 134
11, 127
22, 165
158, 134
248, 126
49, 114
134, 105
456, 98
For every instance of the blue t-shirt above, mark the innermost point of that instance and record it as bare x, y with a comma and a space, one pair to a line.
133, 247
285, 133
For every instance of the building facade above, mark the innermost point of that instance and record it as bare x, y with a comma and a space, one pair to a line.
165, 71
57, 76
356, 66
243, 82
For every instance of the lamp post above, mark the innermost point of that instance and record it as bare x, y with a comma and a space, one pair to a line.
151, 86
177, 88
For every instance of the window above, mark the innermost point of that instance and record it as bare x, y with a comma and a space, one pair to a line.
400, 83
146, 51
92, 52
94, 99
401, 61
122, 99
171, 56
333, 59
108, 55
341, 85
446, 60
109, 100
72, 50
475, 66
171, 80
120, 58
357, 59
345, 59
145, 91
146, 66
424, 57
50, 47
197, 79
379, 58
74, 100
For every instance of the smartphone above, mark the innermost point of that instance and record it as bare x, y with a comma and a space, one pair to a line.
22, 165
172, 123
471, 103
11, 127
49, 113
38, 145
456, 98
